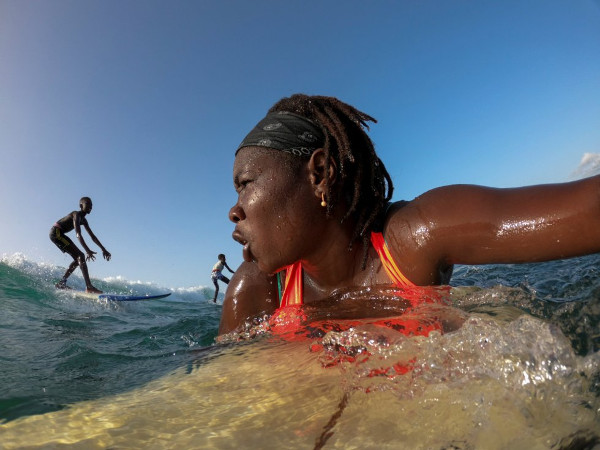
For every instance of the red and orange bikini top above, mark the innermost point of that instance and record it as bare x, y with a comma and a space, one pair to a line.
290, 323
291, 276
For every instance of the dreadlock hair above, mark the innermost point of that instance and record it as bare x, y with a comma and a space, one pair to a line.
365, 183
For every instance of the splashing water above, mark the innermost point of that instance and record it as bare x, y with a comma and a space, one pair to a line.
516, 366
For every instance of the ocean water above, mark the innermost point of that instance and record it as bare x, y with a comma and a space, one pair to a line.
57, 348
519, 367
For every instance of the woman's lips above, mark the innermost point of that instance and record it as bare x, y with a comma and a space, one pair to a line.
246, 252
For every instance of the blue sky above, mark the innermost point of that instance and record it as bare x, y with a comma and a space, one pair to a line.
141, 104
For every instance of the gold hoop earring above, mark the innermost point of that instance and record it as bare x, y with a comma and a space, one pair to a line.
323, 202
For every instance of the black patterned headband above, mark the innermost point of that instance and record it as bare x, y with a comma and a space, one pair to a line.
287, 132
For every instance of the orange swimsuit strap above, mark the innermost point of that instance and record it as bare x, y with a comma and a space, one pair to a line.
388, 262
293, 293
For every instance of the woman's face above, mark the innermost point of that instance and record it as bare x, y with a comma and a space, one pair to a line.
275, 212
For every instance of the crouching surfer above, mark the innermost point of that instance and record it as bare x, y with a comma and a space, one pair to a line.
74, 220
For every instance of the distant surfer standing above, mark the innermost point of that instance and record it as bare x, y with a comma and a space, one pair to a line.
75, 220
218, 275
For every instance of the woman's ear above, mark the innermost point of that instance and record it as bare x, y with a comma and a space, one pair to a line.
323, 171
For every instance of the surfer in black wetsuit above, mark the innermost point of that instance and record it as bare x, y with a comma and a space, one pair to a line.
71, 221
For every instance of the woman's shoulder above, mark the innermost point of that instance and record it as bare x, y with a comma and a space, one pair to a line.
435, 202
399, 212
249, 293
411, 232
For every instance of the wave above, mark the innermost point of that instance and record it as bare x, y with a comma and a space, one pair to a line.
42, 276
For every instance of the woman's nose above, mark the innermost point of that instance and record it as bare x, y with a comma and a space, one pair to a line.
236, 214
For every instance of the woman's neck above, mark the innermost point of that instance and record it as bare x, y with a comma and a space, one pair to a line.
335, 264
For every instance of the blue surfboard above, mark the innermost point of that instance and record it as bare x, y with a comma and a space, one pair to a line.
130, 298
117, 297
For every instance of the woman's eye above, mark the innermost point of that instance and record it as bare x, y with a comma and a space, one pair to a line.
242, 184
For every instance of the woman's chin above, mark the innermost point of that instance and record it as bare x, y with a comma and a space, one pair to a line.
247, 253
266, 268
264, 265
250, 257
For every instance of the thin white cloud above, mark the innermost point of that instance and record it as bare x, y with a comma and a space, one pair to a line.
588, 166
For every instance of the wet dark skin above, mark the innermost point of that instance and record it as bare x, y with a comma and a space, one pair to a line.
90, 255
279, 220
86, 208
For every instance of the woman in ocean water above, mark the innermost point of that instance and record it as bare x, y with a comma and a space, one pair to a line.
368, 386
314, 206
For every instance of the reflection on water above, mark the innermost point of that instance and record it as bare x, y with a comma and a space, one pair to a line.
496, 378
